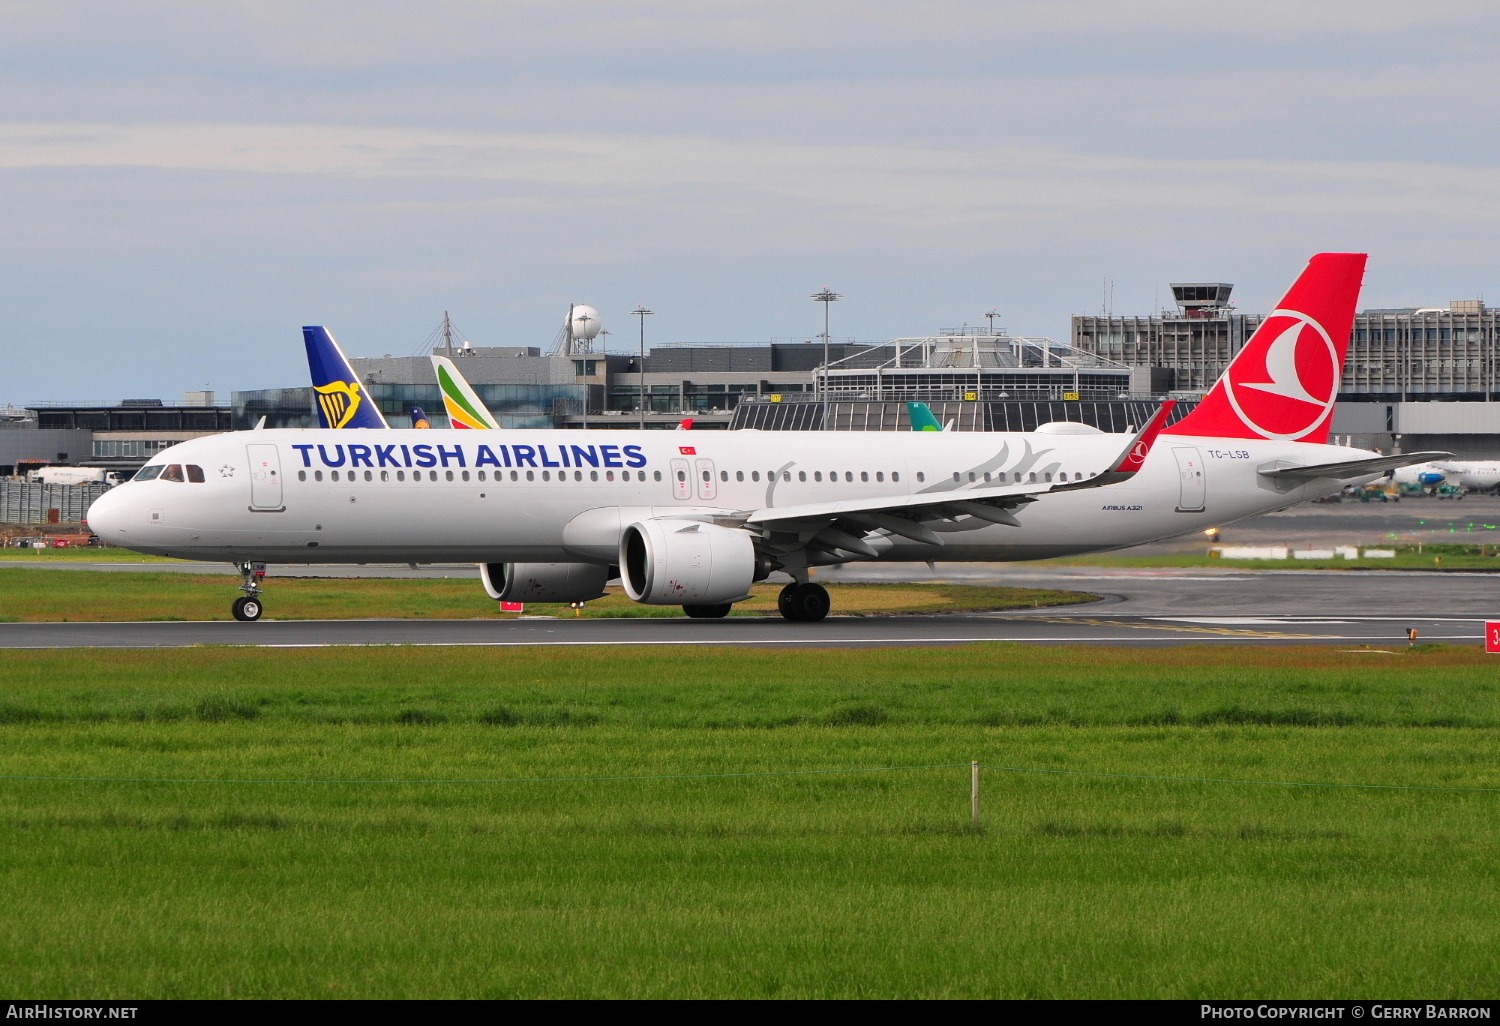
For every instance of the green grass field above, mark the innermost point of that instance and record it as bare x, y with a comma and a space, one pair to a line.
33, 595
861, 884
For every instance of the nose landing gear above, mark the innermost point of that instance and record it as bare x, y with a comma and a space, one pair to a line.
249, 608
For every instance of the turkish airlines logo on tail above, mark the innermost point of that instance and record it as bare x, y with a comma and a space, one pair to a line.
1291, 390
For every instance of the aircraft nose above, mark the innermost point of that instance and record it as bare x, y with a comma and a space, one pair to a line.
107, 515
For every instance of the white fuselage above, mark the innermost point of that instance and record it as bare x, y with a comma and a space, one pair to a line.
1470, 473
319, 496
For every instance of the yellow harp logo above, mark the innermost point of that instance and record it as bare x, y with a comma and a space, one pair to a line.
339, 401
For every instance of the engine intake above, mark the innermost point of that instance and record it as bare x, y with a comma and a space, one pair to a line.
544, 582
677, 562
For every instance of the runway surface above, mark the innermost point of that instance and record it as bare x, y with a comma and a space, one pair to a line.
1103, 624
1138, 606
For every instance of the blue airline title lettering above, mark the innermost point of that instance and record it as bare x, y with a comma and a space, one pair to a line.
423, 455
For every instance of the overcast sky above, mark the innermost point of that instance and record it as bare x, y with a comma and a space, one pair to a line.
183, 185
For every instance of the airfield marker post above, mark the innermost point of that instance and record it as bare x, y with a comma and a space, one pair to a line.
974, 792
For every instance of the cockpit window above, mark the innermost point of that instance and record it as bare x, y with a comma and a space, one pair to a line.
148, 473
173, 473
195, 474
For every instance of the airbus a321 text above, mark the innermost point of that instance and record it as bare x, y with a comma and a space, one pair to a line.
553, 516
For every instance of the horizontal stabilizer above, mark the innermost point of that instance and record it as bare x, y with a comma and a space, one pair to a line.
1348, 468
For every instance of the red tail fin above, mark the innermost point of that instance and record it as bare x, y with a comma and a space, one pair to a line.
1283, 383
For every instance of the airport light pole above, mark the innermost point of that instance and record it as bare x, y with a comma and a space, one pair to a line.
641, 312
826, 297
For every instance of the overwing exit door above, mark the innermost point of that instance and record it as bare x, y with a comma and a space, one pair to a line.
707, 488
682, 488
1192, 488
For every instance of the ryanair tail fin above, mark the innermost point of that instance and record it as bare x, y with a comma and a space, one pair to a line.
343, 401
464, 407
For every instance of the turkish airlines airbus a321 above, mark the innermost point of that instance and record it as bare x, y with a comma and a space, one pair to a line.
552, 516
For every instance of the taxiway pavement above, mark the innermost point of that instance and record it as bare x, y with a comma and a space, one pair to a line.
1101, 624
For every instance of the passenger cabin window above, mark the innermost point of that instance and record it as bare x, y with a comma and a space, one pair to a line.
301, 475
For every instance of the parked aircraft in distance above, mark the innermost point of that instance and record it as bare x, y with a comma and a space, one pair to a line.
695, 519
1422, 475
1477, 475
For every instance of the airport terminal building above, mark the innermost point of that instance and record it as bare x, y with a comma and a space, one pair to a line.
1415, 378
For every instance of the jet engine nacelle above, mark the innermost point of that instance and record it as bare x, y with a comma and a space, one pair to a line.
544, 582
680, 562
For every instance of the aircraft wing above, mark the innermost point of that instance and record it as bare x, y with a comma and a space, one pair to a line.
842, 524
1348, 468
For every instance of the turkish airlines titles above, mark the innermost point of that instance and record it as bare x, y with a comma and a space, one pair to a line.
425, 455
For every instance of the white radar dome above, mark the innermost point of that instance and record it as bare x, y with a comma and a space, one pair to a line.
586, 323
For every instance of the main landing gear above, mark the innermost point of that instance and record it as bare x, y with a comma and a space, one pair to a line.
249, 608
805, 603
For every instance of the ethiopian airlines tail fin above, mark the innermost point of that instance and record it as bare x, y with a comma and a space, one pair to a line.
343, 401
1284, 381
464, 407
